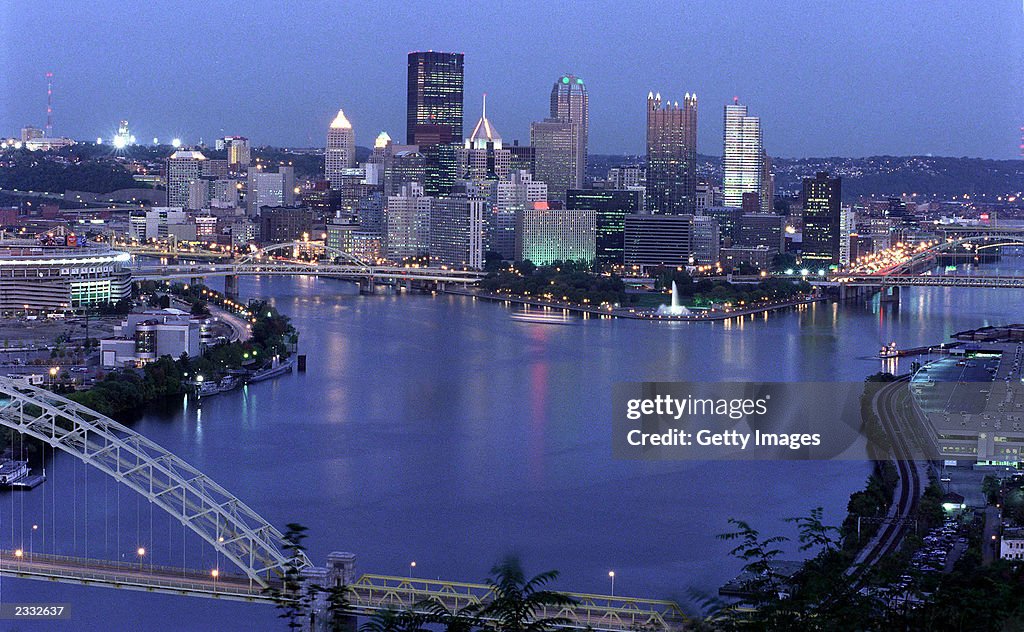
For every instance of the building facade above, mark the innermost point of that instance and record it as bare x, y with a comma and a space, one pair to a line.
742, 155
183, 167
544, 235
611, 206
457, 232
658, 240
555, 145
341, 149
822, 197
435, 97
671, 155
569, 101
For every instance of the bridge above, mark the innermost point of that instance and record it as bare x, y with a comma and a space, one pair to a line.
335, 263
259, 555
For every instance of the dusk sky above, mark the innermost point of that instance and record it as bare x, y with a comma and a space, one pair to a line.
826, 77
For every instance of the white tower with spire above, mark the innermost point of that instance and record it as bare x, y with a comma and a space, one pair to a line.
341, 149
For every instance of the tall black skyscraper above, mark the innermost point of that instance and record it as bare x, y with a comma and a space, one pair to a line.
671, 155
822, 196
434, 108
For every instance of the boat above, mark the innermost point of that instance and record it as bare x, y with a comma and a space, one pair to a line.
889, 351
545, 318
276, 368
227, 383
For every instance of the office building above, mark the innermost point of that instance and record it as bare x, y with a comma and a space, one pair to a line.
457, 232
822, 197
555, 148
545, 235
238, 150
183, 167
569, 102
847, 229
658, 240
270, 189
611, 206
523, 158
671, 155
341, 149
705, 242
516, 192
482, 157
434, 106
407, 223
761, 229
281, 224
743, 155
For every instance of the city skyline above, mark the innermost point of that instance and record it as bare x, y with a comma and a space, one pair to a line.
308, 72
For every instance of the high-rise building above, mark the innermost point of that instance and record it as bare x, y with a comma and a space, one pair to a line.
279, 224
658, 240
767, 191
457, 232
341, 149
483, 157
761, 229
239, 152
544, 234
611, 206
847, 229
270, 189
407, 223
402, 168
512, 194
743, 158
569, 101
555, 147
705, 241
434, 98
182, 168
822, 201
671, 155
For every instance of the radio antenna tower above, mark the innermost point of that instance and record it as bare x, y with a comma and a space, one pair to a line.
49, 105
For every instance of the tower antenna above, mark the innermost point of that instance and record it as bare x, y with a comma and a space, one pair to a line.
49, 105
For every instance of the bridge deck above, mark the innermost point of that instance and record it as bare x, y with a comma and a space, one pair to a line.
369, 593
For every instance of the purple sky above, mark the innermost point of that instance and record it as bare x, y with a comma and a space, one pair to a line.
827, 78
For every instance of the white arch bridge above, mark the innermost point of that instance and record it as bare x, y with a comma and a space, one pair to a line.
259, 551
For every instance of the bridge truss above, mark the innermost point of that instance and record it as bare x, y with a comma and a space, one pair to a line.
232, 528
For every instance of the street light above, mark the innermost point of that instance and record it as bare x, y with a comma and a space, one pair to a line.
611, 576
31, 533
141, 552
215, 573
412, 565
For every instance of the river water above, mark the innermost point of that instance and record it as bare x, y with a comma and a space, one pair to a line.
438, 430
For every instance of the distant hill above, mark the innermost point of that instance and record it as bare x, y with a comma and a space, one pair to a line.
928, 176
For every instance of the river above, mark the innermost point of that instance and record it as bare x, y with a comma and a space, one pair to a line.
438, 430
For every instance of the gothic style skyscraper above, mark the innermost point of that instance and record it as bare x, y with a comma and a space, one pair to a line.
671, 155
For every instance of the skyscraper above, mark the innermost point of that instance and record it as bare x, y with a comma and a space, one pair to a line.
671, 155
434, 97
611, 206
569, 101
554, 144
822, 196
239, 152
341, 149
743, 155
483, 157
182, 168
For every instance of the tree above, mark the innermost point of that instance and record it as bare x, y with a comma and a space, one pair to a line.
390, 620
519, 604
814, 533
199, 308
762, 587
339, 608
289, 598
459, 620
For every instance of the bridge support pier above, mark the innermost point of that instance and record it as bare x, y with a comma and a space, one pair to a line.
890, 294
855, 292
231, 286
340, 571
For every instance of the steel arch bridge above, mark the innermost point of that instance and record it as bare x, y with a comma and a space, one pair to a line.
293, 246
975, 242
258, 549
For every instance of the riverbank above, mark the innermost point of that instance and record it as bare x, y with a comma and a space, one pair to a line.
633, 313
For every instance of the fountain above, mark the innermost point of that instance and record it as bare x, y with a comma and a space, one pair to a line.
675, 309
